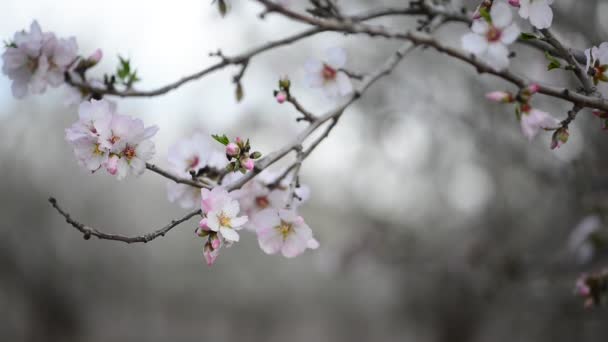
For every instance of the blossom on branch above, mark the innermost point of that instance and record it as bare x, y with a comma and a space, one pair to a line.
597, 63
538, 11
533, 120
327, 73
36, 59
282, 230
101, 137
221, 211
191, 156
491, 35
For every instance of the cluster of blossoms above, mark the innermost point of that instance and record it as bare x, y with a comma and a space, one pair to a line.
277, 225
593, 288
256, 206
35, 60
532, 120
103, 138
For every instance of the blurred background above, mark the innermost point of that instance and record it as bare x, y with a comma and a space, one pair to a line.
437, 220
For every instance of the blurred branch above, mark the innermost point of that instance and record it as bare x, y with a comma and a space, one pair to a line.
89, 231
426, 40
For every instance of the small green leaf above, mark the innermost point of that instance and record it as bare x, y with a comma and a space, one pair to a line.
483, 12
527, 36
255, 155
553, 62
9, 44
222, 139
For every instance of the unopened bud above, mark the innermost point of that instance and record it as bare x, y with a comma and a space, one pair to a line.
284, 83
533, 88
95, 57
514, 3
281, 97
232, 150
500, 96
112, 165
247, 163
560, 137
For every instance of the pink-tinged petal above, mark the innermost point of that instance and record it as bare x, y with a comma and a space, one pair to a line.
213, 222
345, 86
501, 15
270, 240
528, 126
122, 169
313, 66
203, 224
510, 34
336, 57
474, 43
481, 27
238, 222
497, 56
231, 208
541, 14
288, 215
112, 165
267, 218
293, 246
313, 244
544, 120
229, 234
524, 9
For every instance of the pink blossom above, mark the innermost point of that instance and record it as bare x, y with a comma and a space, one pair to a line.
95, 57
282, 230
533, 120
327, 74
187, 155
221, 212
514, 3
538, 11
489, 40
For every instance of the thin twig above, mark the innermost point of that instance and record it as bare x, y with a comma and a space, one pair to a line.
89, 231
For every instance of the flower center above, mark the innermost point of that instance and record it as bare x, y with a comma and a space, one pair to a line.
329, 73
193, 163
224, 220
129, 152
493, 34
285, 229
32, 64
97, 151
262, 202
525, 108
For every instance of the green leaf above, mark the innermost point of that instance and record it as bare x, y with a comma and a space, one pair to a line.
124, 68
527, 36
9, 44
222, 139
553, 62
483, 12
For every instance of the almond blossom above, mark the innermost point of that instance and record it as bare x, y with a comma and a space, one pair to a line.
538, 11
282, 230
221, 214
533, 120
489, 40
130, 146
327, 74
36, 59
597, 62
191, 155
101, 137
263, 192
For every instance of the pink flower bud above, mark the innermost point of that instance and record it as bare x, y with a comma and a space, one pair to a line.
203, 225
560, 137
500, 96
232, 149
247, 163
238, 140
215, 242
112, 165
95, 57
514, 3
281, 97
533, 88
